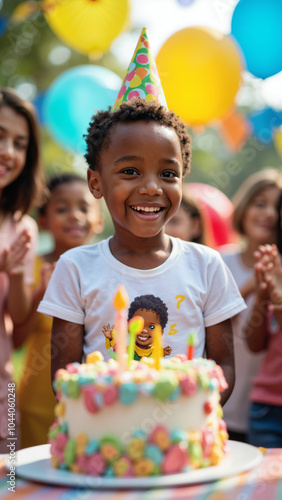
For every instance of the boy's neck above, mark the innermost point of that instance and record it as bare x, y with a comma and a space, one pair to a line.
142, 253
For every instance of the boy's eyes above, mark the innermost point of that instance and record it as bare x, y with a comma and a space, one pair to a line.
129, 171
151, 327
169, 174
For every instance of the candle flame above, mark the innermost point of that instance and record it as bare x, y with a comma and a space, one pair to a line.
121, 300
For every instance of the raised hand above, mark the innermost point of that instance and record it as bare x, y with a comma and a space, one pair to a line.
269, 274
108, 331
12, 256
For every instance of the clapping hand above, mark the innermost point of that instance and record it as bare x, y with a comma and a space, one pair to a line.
269, 274
12, 256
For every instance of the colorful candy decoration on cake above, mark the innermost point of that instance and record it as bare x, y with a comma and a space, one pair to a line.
99, 385
142, 78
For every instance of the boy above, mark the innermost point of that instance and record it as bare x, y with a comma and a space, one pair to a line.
137, 156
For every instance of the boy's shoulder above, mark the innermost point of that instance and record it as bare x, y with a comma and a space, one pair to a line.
83, 251
196, 254
195, 248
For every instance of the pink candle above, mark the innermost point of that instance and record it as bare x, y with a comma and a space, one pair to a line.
121, 302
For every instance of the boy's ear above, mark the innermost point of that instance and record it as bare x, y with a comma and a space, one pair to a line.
94, 183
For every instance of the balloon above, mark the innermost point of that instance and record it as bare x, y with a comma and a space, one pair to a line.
23, 11
217, 211
235, 130
3, 25
73, 98
278, 141
264, 123
87, 26
39, 106
200, 71
256, 25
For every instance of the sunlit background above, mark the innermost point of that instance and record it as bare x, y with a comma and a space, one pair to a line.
69, 57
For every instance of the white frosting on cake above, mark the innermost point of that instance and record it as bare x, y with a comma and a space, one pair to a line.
145, 414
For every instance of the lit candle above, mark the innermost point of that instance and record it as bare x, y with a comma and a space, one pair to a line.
192, 341
135, 326
157, 343
121, 303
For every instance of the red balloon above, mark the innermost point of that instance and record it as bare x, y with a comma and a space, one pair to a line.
217, 211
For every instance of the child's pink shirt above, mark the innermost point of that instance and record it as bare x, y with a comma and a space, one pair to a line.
8, 233
267, 385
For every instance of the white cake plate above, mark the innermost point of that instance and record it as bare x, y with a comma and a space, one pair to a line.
34, 464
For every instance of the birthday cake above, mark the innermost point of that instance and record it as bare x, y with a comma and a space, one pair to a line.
140, 421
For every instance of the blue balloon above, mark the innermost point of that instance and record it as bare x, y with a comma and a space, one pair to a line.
256, 25
73, 98
39, 106
3, 25
264, 124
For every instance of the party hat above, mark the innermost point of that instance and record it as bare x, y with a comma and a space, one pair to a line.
142, 78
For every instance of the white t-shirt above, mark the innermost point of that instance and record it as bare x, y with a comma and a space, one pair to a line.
246, 362
194, 284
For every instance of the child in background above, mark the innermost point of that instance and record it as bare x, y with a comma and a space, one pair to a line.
255, 219
265, 416
138, 154
21, 182
73, 217
187, 223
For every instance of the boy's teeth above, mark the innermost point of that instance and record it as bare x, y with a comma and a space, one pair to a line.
147, 209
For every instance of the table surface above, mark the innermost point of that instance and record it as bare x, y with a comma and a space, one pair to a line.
263, 482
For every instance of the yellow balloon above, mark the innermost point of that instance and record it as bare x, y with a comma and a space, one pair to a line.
200, 70
88, 26
278, 141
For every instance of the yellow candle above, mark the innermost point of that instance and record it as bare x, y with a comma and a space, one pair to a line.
121, 302
158, 350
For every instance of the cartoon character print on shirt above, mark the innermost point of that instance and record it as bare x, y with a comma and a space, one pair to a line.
154, 311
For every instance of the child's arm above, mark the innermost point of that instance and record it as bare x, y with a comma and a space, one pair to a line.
18, 303
21, 331
248, 288
219, 347
66, 344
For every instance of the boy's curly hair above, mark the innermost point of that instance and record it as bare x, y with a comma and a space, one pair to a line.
149, 303
103, 123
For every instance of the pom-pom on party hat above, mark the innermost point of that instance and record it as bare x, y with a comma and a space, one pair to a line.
142, 78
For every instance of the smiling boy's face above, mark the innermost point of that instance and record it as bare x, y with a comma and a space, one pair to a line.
151, 319
140, 177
